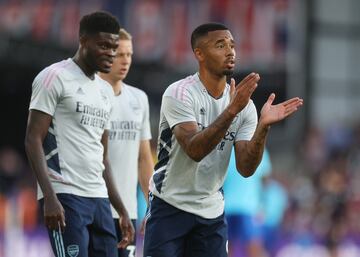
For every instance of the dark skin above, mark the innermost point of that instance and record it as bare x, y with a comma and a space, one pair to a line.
216, 57
95, 53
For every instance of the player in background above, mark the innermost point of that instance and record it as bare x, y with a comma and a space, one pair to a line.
202, 118
66, 144
129, 137
244, 208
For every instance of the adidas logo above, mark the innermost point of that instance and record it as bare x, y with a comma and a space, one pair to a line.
80, 91
202, 111
104, 98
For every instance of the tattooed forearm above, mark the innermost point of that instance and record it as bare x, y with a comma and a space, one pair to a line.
198, 144
250, 152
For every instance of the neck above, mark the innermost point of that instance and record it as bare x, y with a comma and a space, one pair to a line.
88, 71
117, 87
214, 84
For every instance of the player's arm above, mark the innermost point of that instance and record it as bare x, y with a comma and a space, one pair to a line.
146, 166
249, 153
197, 144
126, 226
36, 131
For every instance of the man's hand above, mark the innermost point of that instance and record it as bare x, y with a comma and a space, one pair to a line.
54, 214
127, 230
240, 95
273, 113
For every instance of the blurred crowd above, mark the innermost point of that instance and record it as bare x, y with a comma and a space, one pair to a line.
20, 231
322, 193
17, 191
260, 28
324, 190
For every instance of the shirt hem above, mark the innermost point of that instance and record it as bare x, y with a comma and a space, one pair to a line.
214, 214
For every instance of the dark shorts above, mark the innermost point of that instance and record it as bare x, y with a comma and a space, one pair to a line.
89, 231
129, 251
171, 232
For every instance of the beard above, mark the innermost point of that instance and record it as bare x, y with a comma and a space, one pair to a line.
91, 63
228, 72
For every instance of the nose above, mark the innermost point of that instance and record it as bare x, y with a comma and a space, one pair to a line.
126, 61
230, 51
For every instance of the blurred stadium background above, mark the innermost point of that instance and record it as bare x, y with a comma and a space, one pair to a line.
306, 48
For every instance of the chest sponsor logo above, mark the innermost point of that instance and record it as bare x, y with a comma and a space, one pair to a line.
202, 111
91, 115
124, 130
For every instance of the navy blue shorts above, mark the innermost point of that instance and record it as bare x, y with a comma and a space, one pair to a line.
129, 251
89, 230
171, 232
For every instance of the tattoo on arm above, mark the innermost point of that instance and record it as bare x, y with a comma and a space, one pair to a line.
197, 144
249, 153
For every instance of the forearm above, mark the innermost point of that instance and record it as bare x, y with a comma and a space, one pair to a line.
145, 173
37, 161
114, 196
145, 166
251, 153
202, 143
54, 217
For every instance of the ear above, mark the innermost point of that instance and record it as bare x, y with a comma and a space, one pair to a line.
199, 55
83, 40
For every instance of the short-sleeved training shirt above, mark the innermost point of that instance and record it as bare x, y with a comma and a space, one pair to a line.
196, 187
80, 108
128, 126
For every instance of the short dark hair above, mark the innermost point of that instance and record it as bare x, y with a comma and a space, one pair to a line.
203, 30
97, 22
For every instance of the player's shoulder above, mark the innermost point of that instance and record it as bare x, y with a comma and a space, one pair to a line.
249, 110
59, 70
250, 105
183, 87
56, 69
137, 92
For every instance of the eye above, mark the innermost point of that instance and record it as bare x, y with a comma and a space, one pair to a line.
104, 46
220, 46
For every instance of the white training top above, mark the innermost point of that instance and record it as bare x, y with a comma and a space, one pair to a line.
80, 110
129, 125
196, 187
